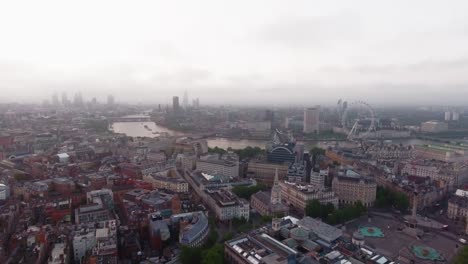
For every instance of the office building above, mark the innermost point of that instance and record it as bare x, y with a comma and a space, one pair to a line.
297, 172
311, 120
185, 100
457, 208
264, 172
317, 178
298, 195
351, 188
225, 166
193, 228
175, 104
227, 205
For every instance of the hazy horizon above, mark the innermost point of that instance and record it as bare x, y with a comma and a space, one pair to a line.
242, 52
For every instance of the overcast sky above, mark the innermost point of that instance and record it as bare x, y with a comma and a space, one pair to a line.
278, 52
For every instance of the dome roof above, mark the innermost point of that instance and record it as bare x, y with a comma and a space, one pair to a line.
299, 233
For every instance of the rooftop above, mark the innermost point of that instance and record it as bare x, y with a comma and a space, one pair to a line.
324, 231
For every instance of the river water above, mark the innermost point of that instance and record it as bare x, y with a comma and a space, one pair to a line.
138, 129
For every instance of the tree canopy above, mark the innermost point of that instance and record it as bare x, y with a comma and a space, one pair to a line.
462, 256
333, 216
247, 191
248, 152
387, 198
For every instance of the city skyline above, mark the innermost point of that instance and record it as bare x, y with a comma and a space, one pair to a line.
304, 53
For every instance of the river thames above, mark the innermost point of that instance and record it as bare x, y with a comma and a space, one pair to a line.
151, 129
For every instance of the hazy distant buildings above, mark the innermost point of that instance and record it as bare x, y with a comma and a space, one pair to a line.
78, 100
110, 100
175, 104
65, 101
55, 100
196, 103
448, 116
434, 126
185, 100
311, 120
442, 152
452, 116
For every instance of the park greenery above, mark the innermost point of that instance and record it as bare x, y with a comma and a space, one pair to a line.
211, 252
316, 151
329, 214
247, 191
386, 198
462, 256
245, 153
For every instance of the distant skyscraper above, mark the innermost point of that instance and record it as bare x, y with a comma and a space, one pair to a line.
55, 100
175, 104
455, 116
64, 99
110, 100
448, 116
312, 119
269, 115
78, 100
185, 100
196, 103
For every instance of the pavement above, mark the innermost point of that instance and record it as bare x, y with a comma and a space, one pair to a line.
396, 243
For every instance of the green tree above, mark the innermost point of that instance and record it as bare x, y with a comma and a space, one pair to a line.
315, 151
214, 255
386, 198
462, 256
216, 150
190, 255
313, 208
228, 236
401, 201
247, 191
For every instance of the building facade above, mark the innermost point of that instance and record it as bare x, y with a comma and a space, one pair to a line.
312, 120
299, 195
457, 208
353, 189
263, 172
226, 166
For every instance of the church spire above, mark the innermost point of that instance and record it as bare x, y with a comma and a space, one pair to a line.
276, 190
276, 177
